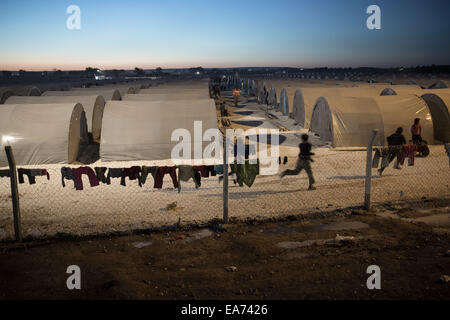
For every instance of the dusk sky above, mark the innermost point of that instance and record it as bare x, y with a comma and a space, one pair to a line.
172, 34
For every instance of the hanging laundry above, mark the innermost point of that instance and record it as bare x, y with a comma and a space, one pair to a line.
134, 173
185, 173
447, 149
77, 174
67, 173
114, 173
202, 170
32, 174
246, 173
218, 169
162, 171
4, 173
211, 171
145, 171
409, 151
377, 156
387, 155
100, 172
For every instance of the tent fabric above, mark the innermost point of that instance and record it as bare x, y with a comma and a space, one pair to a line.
438, 85
5, 93
298, 111
173, 90
400, 90
142, 130
401, 110
33, 91
388, 92
305, 100
92, 105
439, 106
347, 121
284, 102
165, 97
49, 134
107, 94
272, 99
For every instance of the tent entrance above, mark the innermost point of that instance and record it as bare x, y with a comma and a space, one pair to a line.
440, 117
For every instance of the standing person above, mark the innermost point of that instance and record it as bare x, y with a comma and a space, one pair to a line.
236, 94
395, 143
416, 131
217, 91
303, 162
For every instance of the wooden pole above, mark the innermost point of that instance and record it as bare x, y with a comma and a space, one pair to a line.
369, 170
225, 180
14, 193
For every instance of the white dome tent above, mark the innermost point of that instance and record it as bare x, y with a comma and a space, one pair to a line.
168, 91
92, 105
347, 121
107, 94
439, 106
5, 93
284, 102
142, 130
163, 97
49, 134
400, 111
298, 112
272, 99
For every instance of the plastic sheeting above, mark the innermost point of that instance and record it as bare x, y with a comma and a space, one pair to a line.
5, 93
173, 90
165, 97
273, 97
400, 111
347, 121
401, 90
92, 105
49, 134
134, 130
284, 102
305, 100
439, 106
107, 94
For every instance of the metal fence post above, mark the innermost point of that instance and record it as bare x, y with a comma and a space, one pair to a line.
369, 170
225, 180
14, 193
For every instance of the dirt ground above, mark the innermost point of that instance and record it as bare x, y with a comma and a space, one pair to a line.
253, 260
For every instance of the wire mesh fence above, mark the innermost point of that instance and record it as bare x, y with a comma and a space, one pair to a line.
50, 209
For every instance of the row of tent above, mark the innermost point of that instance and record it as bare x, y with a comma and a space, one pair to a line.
345, 116
55, 126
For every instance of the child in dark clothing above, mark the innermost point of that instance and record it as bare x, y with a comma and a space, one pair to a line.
303, 162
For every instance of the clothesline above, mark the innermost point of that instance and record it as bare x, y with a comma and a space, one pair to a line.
246, 174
